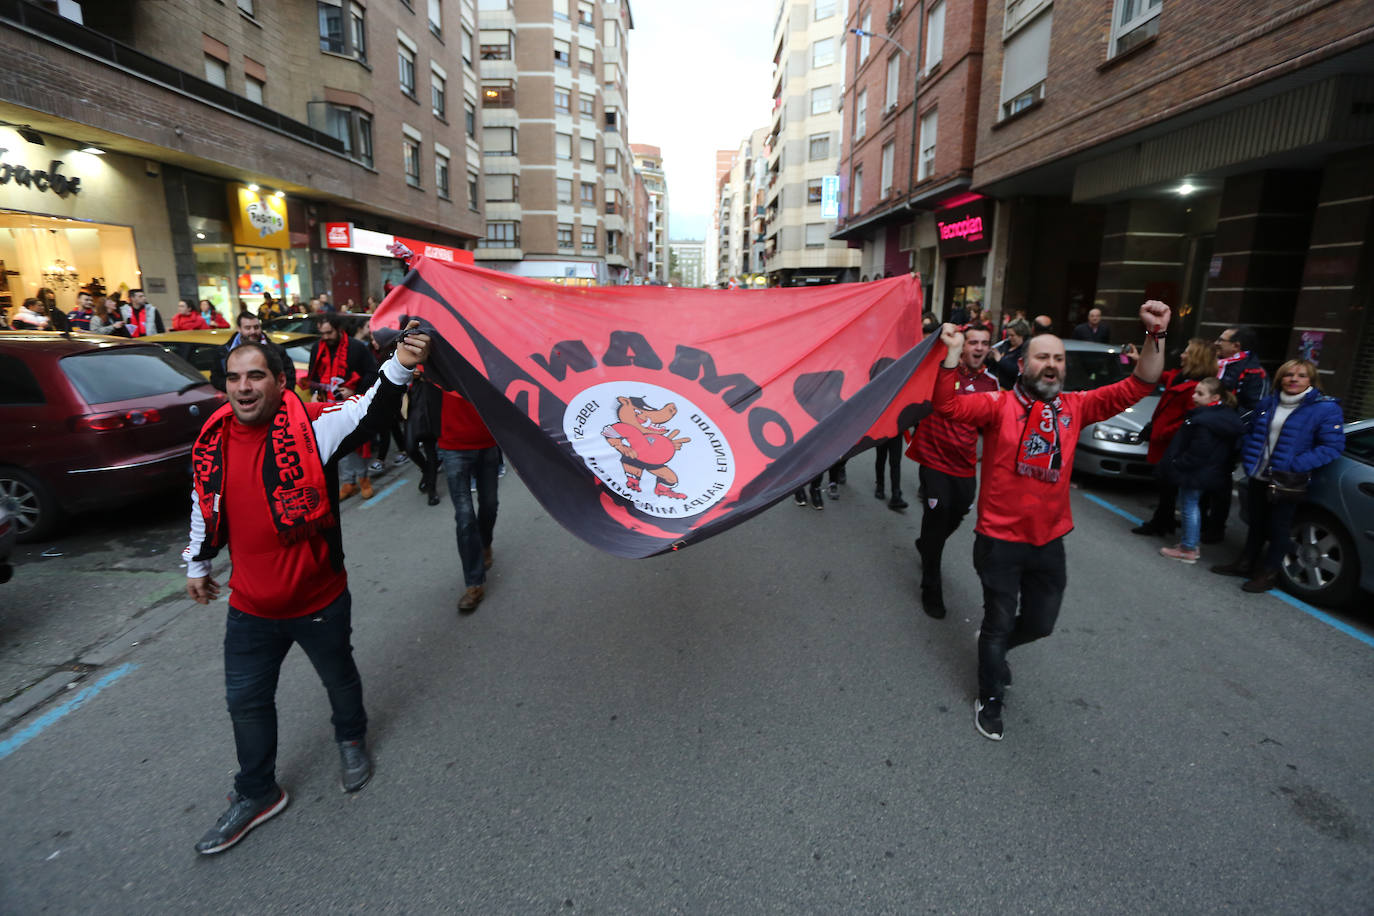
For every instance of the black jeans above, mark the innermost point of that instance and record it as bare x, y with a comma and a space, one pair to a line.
1015, 573
945, 501
254, 648
889, 451
1269, 521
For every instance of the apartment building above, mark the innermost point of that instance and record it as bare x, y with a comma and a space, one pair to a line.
556, 166
804, 147
648, 162
686, 260
740, 215
725, 158
228, 150
1217, 156
911, 116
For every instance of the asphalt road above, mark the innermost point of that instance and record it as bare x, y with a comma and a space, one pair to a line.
765, 722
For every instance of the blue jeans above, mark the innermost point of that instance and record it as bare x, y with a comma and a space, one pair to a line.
1190, 508
254, 648
474, 528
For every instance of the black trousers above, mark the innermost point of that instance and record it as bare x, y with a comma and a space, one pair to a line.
889, 451
1270, 523
946, 500
1015, 574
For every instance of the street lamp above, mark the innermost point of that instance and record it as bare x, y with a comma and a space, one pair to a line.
892, 41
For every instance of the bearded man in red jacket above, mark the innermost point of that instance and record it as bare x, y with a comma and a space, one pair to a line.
1029, 437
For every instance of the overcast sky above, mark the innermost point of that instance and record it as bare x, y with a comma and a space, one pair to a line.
699, 80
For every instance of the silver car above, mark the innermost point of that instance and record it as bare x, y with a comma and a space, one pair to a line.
1113, 447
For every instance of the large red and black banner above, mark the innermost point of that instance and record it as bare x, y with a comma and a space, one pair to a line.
648, 418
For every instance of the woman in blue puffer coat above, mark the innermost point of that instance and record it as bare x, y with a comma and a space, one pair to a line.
1297, 430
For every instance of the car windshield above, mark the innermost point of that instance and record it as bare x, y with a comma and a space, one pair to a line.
121, 373
1360, 445
299, 353
1092, 369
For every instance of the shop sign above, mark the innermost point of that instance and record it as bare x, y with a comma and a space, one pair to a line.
964, 229
438, 252
338, 235
347, 237
49, 179
830, 197
258, 219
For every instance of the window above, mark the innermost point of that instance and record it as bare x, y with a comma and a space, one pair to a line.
586, 105
820, 100
612, 75
886, 176
894, 81
819, 147
351, 127
612, 242
499, 141
815, 235
253, 89
562, 101
496, 44
612, 160
929, 125
610, 33
589, 239
438, 90
563, 146
466, 42
410, 152
1134, 21
216, 71
612, 119
246, 6
588, 145
856, 192
588, 194
584, 14
866, 26
470, 118
565, 235
405, 58
861, 114
357, 32
472, 190
441, 172
814, 190
560, 9
823, 53
935, 36
824, 9
564, 186
612, 202
586, 60
501, 234
562, 53
1025, 59
364, 132
502, 188
436, 20
498, 94
331, 27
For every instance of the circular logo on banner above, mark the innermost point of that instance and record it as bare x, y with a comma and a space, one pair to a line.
652, 446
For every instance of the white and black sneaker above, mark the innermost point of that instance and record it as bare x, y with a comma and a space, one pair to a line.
376, 467
243, 815
987, 716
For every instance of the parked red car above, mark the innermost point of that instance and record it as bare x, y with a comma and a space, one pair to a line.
89, 422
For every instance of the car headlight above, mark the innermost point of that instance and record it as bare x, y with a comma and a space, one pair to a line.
1109, 433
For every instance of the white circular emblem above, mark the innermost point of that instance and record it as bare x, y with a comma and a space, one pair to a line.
652, 446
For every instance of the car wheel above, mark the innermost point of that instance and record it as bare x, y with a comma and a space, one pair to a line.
35, 511
1323, 565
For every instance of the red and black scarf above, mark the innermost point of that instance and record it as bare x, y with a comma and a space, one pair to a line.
140, 318
332, 368
292, 475
1039, 455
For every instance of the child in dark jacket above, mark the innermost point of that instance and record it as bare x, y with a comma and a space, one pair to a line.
1200, 458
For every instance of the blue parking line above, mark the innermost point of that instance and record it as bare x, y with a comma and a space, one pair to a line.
1119, 511
384, 492
1278, 593
36, 727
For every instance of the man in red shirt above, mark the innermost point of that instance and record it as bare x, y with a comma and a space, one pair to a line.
948, 454
265, 468
1029, 437
471, 461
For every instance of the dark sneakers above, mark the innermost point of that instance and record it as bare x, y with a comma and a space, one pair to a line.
355, 766
987, 716
896, 503
243, 815
833, 490
800, 497
817, 501
933, 601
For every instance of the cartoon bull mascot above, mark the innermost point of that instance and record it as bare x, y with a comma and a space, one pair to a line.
645, 444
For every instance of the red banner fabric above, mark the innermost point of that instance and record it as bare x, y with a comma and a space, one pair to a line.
648, 418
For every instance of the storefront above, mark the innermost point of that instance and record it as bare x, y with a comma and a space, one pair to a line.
361, 259
964, 233
66, 222
244, 245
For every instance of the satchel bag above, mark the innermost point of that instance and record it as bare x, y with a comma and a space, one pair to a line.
1288, 486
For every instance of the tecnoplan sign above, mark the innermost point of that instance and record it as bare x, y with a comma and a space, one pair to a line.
964, 229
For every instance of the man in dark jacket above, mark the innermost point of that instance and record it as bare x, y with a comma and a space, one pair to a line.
1239, 369
1093, 329
1006, 363
340, 367
250, 331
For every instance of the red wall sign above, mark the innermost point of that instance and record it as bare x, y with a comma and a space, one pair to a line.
339, 235
965, 229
